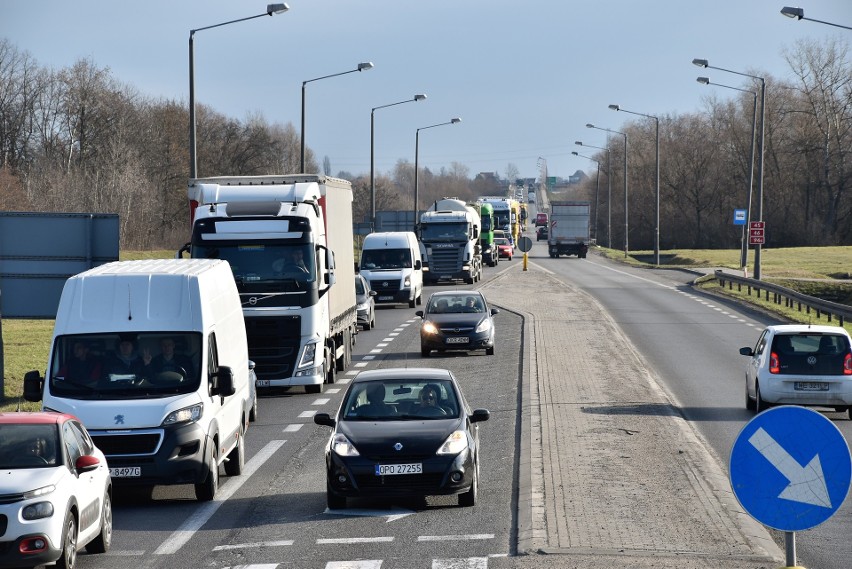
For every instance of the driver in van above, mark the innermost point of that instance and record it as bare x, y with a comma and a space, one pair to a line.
167, 361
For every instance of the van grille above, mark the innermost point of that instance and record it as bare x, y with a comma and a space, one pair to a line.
274, 345
116, 444
385, 285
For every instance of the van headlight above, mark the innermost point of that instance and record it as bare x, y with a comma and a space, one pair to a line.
189, 414
407, 282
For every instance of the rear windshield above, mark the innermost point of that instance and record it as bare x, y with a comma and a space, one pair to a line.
815, 354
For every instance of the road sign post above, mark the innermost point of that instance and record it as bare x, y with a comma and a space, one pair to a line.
525, 244
790, 470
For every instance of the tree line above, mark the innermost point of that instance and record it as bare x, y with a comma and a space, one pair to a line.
78, 140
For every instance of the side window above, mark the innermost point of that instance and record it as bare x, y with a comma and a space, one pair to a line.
72, 445
85, 442
761, 344
212, 361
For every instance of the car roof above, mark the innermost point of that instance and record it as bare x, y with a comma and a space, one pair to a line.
404, 373
454, 293
805, 328
34, 418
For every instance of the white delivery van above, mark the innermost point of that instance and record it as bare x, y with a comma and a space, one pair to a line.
391, 262
152, 357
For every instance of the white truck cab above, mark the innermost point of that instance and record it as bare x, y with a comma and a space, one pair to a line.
152, 357
391, 262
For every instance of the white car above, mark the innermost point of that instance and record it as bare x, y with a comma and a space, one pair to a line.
55, 491
800, 364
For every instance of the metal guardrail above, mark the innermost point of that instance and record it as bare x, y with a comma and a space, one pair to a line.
791, 298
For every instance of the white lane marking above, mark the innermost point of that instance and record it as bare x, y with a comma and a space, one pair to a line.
205, 511
383, 344
345, 380
362, 364
351, 372
321, 401
394, 334
350, 540
254, 546
468, 537
362, 564
375, 352
125, 553
392, 514
332, 390
461, 563
307, 414
293, 428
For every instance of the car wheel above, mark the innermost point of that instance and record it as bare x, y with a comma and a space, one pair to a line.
373, 321
237, 458
334, 501
468, 499
760, 403
424, 351
104, 539
489, 351
751, 404
206, 491
253, 410
68, 558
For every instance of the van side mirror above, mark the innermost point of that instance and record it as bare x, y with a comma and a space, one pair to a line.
33, 386
181, 251
418, 265
223, 382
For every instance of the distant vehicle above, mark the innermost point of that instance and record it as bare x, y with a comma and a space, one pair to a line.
541, 219
568, 229
457, 320
449, 229
541, 234
504, 248
364, 297
800, 364
56, 489
400, 433
391, 262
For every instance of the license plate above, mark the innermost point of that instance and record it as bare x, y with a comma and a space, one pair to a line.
391, 469
810, 386
126, 472
385, 298
262, 383
458, 340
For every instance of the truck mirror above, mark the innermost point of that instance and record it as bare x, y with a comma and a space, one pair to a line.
33, 386
223, 382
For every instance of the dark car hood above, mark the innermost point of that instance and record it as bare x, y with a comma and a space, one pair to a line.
377, 438
457, 319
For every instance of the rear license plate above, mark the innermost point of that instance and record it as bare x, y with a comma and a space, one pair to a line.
262, 383
390, 469
126, 472
810, 386
385, 298
458, 340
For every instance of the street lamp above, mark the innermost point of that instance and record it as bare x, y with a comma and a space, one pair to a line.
416, 162
656, 183
373, 154
193, 163
597, 188
361, 67
609, 193
757, 247
626, 216
744, 245
799, 14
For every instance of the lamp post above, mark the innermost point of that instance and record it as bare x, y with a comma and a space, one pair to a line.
744, 248
799, 14
416, 163
757, 247
361, 67
626, 216
609, 194
373, 154
193, 162
597, 188
656, 180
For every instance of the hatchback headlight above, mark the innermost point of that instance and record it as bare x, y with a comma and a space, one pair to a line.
343, 447
429, 327
484, 326
454, 444
37, 511
189, 414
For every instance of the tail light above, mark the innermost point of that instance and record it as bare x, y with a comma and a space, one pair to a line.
774, 363
847, 364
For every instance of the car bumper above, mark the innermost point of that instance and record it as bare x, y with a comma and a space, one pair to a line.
356, 476
398, 297
782, 389
363, 316
479, 341
49, 529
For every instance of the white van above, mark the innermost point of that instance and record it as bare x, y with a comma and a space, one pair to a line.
152, 357
392, 264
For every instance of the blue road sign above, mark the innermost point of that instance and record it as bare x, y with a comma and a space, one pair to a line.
790, 468
740, 216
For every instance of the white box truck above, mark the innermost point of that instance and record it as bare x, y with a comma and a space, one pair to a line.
152, 357
391, 262
290, 245
568, 233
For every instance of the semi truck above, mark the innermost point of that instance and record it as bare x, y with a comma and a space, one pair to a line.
502, 214
449, 231
490, 254
289, 241
568, 233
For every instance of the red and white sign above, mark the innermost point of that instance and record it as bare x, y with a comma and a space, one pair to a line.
756, 235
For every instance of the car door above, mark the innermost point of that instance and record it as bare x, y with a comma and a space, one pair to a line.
87, 489
756, 361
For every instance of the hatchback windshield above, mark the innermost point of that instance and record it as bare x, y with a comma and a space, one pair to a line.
28, 446
398, 400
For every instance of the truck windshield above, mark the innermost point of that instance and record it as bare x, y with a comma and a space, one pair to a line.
263, 261
375, 259
125, 365
486, 224
443, 232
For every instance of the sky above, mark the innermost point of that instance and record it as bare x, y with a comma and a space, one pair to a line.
524, 76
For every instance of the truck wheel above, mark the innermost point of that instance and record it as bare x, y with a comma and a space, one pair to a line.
313, 388
206, 490
330, 366
412, 302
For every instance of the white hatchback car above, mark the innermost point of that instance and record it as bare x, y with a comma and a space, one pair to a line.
800, 364
55, 491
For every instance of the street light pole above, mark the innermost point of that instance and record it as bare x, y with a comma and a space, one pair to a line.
656, 184
744, 244
799, 14
373, 154
626, 215
757, 247
609, 192
361, 67
193, 162
417, 165
597, 188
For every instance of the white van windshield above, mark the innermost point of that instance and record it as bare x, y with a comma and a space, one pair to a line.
373, 259
125, 365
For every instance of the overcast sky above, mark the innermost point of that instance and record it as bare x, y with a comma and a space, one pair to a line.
525, 76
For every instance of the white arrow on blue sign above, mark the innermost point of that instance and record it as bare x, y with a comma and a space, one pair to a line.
790, 468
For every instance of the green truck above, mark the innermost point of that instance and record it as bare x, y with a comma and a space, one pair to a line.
490, 254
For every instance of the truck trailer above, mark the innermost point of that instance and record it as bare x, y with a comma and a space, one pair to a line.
568, 233
289, 241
